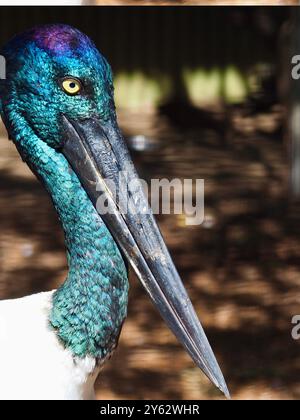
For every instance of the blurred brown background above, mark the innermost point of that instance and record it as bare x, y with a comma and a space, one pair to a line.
201, 93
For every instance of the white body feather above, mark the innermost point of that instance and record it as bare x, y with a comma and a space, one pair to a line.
34, 364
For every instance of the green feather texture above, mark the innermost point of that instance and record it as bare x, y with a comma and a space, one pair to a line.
90, 307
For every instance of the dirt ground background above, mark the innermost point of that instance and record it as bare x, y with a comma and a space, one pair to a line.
241, 267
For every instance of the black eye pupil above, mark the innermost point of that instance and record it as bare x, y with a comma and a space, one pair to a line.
72, 85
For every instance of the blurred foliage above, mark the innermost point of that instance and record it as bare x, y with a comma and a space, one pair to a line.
201, 55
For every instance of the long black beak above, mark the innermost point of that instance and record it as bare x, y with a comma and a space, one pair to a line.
99, 157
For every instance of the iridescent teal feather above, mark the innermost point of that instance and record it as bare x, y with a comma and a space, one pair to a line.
90, 307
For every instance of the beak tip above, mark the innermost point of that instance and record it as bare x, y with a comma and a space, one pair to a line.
218, 380
226, 392
221, 384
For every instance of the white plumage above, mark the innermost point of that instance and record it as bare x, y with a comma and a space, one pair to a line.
44, 368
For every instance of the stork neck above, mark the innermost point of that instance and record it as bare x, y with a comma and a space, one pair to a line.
90, 307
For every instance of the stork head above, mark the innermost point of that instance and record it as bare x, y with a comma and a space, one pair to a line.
60, 86
53, 71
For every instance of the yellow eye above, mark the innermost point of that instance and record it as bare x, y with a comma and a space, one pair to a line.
71, 86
